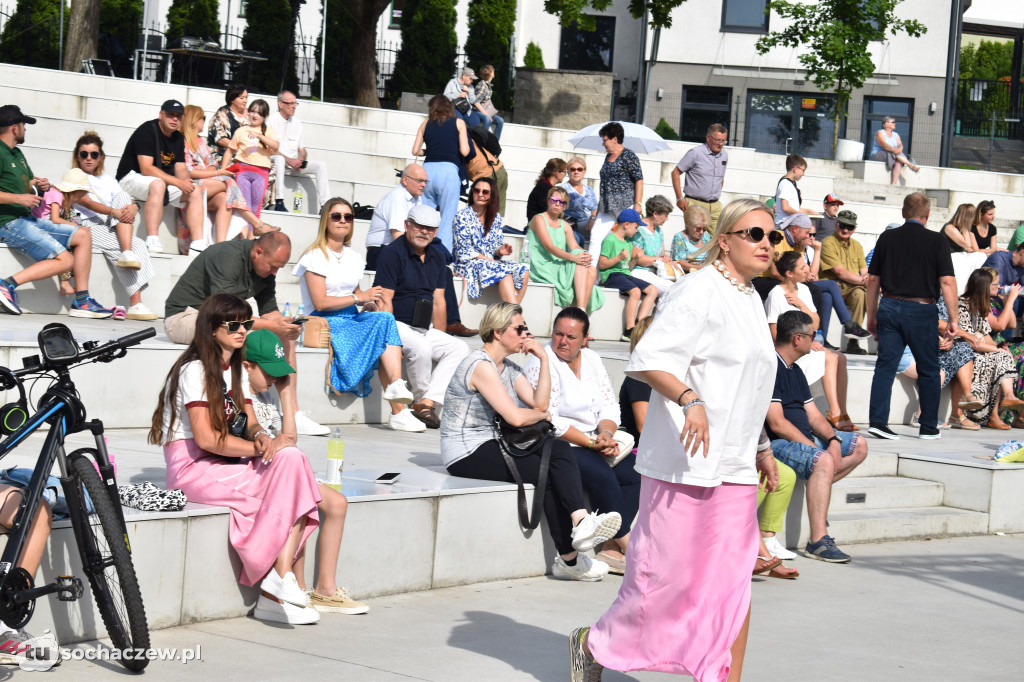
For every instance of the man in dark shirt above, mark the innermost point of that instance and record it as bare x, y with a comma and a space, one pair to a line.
411, 271
825, 225
909, 266
152, 170
803, 439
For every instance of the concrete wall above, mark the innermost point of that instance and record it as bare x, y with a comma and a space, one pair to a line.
562, 99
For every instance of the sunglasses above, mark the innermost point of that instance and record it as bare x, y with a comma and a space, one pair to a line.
88, 155
577, 170
521, 329
557, 202
848, 228
756, 234
342, 217
234, 325
482, 192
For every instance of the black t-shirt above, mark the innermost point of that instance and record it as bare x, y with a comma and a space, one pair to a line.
909, 261
537, 202
399, 268
792, 392
632, 391
148, 140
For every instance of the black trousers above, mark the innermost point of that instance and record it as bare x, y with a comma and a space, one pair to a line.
565, 490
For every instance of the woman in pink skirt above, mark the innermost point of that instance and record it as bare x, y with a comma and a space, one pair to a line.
272, 493
684, 604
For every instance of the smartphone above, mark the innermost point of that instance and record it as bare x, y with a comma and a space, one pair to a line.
304, 163
387, 479
299, 320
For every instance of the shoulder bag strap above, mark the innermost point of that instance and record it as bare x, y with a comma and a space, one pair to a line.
526, 520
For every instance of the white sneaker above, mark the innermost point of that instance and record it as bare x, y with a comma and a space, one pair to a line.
307, 427
284, 588
406, 421
268, 609
775, 548
153, 244
129, 260
586, 569
140, 311
198, 246
397, 392
594, 529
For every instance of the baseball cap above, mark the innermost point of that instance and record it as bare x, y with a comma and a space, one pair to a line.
847, 218
833, 199
10, 114
264, 348
629, 215
73, 181
469, 72
172, 106
425, 216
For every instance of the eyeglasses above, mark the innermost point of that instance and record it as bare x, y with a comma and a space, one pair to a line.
521, 329
342, 217
577, 170
88, 155
288, 104
423, 228
557, 202
756, 234
421, 181
234, 325
482, 192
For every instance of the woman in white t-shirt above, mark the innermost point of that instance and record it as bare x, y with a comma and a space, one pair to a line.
271, 492
329, 272
684, 604
821, 363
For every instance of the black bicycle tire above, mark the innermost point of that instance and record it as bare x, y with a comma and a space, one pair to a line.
131, 638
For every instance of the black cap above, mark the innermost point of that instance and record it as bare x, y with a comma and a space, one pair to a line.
172, 106
10, 114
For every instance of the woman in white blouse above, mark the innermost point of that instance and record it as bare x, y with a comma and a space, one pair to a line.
684, 604
585, 411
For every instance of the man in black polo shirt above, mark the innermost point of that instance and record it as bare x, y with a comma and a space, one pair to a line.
803, 439
910, 265
411, 270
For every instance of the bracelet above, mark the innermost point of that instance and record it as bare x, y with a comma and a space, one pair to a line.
255, 435
679, 400
606, 431
763, 457
692, 403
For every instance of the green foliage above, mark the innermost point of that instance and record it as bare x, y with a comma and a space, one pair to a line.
426, 60
568, 11
491, 23
987, 60
197, 18
31, 35
121, 19
338, 60
269, 31
532, 58
666, 131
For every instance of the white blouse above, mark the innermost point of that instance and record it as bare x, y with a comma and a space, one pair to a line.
583, 402
343, 271
716, 340
813, 364
192, 393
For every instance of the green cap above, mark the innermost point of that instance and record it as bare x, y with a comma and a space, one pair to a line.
847, 218
265, 349
1017, 239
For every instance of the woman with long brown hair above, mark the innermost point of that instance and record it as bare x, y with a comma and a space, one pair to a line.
983, 232
958, 230
480, 246
446, 140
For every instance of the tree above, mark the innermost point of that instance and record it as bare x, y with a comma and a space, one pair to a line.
119, 24
32, 34
337, 70
199, 18
986, 61
270, 30
834, 36
491, 24
533, 58
83, 33
426, 60
568, 11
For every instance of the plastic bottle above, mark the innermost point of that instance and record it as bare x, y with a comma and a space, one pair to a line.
301, 313
287, 310
297, 200
335, 458
524, 253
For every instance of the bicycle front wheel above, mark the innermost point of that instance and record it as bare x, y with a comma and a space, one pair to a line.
107, 561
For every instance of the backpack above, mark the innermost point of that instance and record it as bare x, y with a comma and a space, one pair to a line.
486, 139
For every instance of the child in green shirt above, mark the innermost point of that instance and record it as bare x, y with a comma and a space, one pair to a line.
618, 256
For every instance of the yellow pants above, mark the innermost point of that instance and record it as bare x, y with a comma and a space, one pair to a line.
855, 297
776, 503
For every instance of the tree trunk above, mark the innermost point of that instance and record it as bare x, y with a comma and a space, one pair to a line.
365, 14
83, 33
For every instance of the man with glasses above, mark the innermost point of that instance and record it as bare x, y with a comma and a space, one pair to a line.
291, 155
412, 273
705, 173
390, 213
842, 260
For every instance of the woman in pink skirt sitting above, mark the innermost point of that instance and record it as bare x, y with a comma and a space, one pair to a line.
218, 454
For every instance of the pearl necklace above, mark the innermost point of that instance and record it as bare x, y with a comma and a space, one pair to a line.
744, 288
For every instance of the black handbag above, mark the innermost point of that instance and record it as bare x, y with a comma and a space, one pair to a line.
521, 441
463, 106
240, 422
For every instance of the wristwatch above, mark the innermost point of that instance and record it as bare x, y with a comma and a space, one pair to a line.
836, 439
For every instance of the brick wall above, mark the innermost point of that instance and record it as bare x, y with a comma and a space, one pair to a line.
562, 99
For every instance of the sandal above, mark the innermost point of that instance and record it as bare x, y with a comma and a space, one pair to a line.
844, 417
994, 422
963, 423
765, 564
263, 228
969, 402
833, 419
784, 573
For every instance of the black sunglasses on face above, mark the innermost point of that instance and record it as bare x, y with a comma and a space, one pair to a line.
521, 329
342, 217
843, 226
86, 155
235, 324
756, 234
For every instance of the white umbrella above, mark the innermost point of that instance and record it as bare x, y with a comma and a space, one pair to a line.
639, 138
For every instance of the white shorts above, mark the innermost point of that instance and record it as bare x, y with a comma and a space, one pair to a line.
137, 185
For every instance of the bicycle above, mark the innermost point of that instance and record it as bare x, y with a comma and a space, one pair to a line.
100, 532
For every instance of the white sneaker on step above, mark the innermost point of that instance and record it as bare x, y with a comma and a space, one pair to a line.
406, 421
140, 311
286, 588
397, 392
129, 260
586, 569
307, 427
268, 609
153, 244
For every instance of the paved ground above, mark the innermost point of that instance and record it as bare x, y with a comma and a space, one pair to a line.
916, 611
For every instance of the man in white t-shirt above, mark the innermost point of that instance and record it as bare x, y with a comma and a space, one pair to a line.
291, 156
787, 195
388, 222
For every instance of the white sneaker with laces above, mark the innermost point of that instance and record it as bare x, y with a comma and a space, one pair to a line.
586, 569
406, 421
307, 427
153, 244
775, 548
397, 392
594, 529
140, 311
285, 588
268, 609
129, 260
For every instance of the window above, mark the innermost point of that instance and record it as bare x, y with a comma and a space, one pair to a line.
588, 50
703, 106
791, 123
395, 13
744, 16
900, 109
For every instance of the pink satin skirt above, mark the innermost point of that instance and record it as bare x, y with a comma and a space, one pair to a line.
686, 591
265, 499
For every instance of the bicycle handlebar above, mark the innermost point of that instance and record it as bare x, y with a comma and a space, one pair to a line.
105, 352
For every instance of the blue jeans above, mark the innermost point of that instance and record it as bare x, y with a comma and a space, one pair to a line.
900, 324
498, 122
37, 238
610, 489
442, 192
803, 458
831, 299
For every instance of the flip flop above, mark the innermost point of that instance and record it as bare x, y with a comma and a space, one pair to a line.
765, 564
784, 573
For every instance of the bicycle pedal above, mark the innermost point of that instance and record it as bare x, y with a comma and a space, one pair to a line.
69, 588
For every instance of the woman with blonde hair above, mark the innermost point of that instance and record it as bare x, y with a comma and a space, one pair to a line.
687, 245
958, 230
582, 199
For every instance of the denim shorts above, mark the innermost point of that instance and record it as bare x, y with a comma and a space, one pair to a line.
37, 238
803, 458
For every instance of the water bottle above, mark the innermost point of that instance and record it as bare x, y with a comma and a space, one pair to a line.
302, 328
287, 310
818, 337
335, 458
524, 253
1004, 290
297, 201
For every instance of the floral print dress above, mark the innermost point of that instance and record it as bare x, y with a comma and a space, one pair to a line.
618, 182
471, 240
989, 368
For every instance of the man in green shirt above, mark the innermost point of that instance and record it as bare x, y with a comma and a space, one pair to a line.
618, 256
842, 260
41, 240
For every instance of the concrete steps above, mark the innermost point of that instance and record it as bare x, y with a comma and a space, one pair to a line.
903, 523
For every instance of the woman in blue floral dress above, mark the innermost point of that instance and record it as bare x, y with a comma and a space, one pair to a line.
479, 246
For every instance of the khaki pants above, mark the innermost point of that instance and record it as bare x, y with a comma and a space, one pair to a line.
856, 300
714, 208
181, 328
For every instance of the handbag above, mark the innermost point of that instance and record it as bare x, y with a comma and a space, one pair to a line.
521, 441
316, 332
238, 423
489, 109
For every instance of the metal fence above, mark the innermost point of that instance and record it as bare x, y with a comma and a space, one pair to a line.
387, 54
